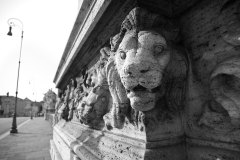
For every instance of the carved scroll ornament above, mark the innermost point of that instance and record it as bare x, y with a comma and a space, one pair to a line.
223, 112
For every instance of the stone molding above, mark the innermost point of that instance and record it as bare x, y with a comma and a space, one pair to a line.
89, 14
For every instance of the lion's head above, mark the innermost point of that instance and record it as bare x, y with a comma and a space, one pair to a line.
140, 60
142, 54
95, 104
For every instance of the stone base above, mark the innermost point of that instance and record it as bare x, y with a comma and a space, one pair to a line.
55, 155
211, 150
59, 149
73, 141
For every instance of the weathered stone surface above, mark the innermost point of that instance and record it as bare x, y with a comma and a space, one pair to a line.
212, 96
126, 92
159, 88
91, 144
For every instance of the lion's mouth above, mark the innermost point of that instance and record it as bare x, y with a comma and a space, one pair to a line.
140, 88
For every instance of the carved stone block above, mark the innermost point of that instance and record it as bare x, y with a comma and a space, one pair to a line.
154, 91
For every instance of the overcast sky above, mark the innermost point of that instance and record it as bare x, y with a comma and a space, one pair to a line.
47, 26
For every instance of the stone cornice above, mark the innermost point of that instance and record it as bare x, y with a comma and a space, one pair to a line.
89, 14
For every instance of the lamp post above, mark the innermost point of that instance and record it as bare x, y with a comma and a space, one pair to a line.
31, 112
14, 22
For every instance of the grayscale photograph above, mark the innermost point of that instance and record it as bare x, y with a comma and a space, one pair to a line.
120, 80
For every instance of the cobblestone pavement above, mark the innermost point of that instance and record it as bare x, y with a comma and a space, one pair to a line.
30, 143
6, 123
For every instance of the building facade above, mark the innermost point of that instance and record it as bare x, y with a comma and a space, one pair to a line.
152, 80
24, 106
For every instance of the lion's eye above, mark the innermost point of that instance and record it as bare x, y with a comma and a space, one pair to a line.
122, 55
158, 49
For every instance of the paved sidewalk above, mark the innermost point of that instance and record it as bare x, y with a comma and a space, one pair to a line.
31, 142
6, 123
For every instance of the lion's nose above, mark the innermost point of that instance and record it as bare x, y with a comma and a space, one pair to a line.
135, 69
130, 69
144, 70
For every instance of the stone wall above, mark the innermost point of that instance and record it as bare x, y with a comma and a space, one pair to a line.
210, 32
157, 80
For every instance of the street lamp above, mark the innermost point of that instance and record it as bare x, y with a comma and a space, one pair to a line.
14, 22
31, 112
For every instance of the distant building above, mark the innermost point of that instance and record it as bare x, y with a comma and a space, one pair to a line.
7, 104
49, 101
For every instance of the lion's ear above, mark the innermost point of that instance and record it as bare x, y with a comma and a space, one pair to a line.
117, 39
114, 42
105, 52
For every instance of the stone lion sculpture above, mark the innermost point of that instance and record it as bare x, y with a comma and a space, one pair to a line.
148, 71
140, 71
94, 105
